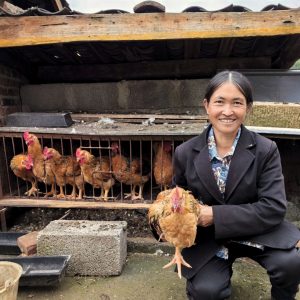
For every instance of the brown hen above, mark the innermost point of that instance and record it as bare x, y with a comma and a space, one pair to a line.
173, 216
66, 170
21, 165
129, 172
163, 168
96, 171
35, 151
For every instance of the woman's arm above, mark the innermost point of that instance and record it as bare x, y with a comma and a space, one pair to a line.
258, 217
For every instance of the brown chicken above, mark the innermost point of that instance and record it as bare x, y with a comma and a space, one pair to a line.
173, 217
129, 172
163, 168
21, 165
96, 171
66, 170
38, 169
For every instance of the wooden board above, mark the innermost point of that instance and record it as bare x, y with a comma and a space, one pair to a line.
38, 30
14, 202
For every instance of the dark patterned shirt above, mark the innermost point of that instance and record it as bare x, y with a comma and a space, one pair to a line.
220, 167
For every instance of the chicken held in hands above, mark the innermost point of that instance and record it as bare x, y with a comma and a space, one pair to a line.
173, 217
21, 165
96, 171
129, 171
163, 167
66, 171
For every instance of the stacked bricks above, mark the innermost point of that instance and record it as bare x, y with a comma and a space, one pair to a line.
97, 248
10, 82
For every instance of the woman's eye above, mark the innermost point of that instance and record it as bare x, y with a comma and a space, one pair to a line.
238, 103
219, 101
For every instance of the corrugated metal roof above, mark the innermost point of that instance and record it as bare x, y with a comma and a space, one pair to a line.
143, 7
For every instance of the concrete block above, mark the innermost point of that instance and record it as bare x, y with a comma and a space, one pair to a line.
97, 248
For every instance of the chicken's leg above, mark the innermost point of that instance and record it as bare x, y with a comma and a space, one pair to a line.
80, 194
33, 190
61, 193
52, 191
73, 195
140, 194
132, 194
178, 260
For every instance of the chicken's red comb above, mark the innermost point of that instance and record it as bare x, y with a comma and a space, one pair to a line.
26, 135
78, 152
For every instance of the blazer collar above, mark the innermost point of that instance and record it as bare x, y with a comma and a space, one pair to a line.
239, 165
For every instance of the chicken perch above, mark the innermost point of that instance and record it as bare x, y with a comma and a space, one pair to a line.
173, 216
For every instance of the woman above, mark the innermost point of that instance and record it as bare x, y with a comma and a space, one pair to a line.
236, 175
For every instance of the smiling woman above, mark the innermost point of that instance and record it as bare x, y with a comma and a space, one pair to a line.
237, 177
227, 101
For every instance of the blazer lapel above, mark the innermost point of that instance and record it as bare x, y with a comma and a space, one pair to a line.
203, 169
240, 162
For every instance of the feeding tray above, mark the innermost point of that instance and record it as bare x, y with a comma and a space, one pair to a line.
41, 270
8, 242
35, 119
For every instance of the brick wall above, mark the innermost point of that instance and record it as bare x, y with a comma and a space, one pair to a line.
10, 82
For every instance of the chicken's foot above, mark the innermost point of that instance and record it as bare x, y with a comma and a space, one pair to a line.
32, 191
73, 195
134, 195
178, 260
52, 192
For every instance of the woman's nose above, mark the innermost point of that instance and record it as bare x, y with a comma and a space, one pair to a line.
227, 110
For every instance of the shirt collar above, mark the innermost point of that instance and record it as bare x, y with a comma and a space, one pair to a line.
212, 147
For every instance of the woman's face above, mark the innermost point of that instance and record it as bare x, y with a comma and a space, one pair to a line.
226, 109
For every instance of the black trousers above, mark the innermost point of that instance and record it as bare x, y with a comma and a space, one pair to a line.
212, 282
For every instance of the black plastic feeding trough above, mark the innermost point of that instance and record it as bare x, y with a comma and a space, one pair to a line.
8, 242
41, 270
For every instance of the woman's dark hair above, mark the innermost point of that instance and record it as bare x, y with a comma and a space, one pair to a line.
238, 79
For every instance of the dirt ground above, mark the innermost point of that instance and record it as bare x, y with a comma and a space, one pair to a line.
38, 218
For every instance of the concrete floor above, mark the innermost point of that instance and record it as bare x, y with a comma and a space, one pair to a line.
144, 278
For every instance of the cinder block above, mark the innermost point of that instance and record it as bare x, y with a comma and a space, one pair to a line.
97, 248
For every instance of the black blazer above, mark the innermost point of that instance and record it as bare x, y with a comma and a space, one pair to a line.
254, 204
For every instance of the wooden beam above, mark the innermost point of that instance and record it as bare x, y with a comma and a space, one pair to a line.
13, 202
37, 30
58, 4
193, 68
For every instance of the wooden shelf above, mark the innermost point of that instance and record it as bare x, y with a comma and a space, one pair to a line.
19, 202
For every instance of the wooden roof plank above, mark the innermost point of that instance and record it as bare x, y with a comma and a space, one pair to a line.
37, 30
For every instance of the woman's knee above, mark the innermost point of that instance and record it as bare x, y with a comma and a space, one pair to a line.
208, 290
285, 269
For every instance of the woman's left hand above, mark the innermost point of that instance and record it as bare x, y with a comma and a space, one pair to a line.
206, 217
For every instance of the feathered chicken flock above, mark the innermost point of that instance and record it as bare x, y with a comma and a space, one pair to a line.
48, 166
